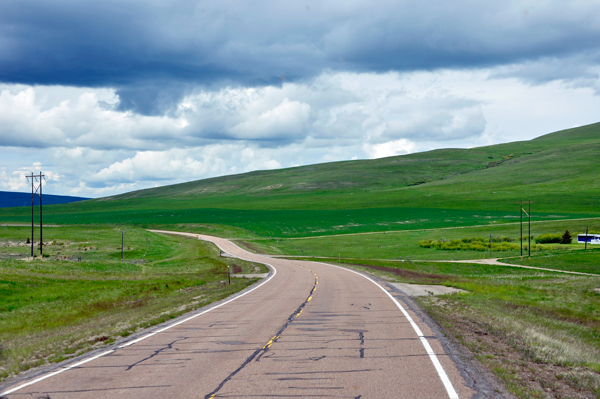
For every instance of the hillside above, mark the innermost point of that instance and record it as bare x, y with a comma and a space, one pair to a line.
546, 158
555, 171
551, 169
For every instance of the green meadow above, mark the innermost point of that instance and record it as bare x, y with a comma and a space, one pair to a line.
299, 223
405, 244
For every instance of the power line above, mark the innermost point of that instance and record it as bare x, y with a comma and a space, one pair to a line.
34, 190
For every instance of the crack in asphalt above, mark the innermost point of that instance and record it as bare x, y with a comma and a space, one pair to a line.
257, 354
156, 352
361, 337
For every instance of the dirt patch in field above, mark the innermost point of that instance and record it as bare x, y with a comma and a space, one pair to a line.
249, 247
408, 274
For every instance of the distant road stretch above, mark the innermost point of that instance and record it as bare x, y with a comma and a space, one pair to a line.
309, 330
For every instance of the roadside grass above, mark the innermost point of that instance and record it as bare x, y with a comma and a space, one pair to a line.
539, 332
405, 244
54, 308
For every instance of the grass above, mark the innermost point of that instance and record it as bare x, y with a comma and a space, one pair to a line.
532, 330
405, 243
577, 261
57, 307
294, 223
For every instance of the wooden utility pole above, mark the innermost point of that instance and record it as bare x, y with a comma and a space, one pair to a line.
34, 190
528, 213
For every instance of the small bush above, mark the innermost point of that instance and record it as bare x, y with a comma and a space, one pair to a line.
549, 239
472, 244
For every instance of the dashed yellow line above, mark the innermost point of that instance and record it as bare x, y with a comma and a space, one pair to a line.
268, 345
316, 283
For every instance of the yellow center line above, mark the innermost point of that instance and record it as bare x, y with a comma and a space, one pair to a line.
268, 345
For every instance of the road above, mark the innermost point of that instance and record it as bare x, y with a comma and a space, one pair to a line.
308, 330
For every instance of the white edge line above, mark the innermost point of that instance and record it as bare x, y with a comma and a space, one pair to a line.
56, 372
436, 363
141, 338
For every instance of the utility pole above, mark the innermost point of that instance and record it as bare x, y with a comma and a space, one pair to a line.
521, 236
528, 213
32, 204
586, 237
33, 192
529, 230
41, 222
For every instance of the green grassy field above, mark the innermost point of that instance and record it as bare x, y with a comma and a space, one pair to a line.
59, 307
299, 223
577, 261
405, 244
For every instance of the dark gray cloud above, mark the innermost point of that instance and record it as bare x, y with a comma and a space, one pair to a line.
155, 52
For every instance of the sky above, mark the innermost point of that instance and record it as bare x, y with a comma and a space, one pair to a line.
107, 97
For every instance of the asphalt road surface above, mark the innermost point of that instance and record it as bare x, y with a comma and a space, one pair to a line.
309, 330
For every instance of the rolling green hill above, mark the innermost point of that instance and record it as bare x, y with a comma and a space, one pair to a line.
438, 188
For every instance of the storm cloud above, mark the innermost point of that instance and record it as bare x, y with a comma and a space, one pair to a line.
154, 52
112, 96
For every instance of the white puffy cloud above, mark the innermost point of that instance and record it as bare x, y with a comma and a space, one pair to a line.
390, 148
90, 120
18, 180
91, 148
289, 119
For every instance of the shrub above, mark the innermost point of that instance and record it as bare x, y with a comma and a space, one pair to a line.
469, 244
566, 237
549, 239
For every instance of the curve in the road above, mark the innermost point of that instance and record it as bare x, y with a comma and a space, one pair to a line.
344, 339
